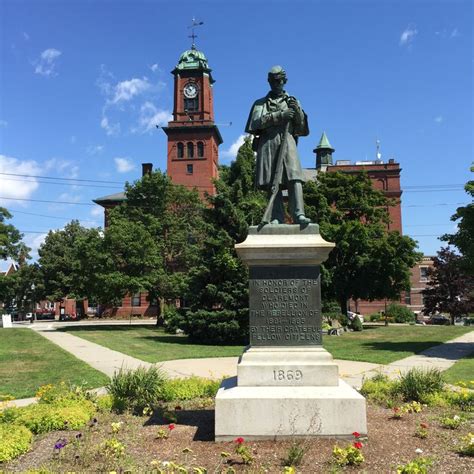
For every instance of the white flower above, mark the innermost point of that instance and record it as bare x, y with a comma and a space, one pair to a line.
418, 451
456, 417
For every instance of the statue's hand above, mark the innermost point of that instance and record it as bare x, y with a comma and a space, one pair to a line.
288, 114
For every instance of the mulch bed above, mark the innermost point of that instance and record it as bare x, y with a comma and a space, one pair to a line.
391, 442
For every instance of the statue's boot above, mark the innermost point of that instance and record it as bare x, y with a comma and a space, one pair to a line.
296, 203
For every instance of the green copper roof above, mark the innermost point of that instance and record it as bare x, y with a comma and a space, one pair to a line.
324, 143
192, 59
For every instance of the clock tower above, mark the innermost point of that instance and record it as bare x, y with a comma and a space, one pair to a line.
193, 137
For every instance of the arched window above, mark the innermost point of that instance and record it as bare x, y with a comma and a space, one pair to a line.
180, 150
200, 146
190, 147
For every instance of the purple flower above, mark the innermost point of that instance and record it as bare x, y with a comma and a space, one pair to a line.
60, 443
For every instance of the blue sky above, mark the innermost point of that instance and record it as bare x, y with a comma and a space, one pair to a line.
83, 83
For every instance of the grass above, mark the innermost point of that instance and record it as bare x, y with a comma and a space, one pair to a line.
380, 345
461, 371
28, 360
383, 345
150, 343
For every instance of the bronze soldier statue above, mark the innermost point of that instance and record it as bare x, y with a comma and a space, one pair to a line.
276, 121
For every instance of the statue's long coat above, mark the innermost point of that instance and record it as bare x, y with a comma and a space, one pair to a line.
266, 123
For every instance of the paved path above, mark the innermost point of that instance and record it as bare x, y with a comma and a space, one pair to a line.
108, 361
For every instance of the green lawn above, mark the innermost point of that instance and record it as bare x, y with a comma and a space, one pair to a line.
461, 371
378, 345
28, 360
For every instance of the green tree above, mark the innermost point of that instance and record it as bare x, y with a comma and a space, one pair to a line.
450, 288
11, 245
72, 262
368, 262
463, 239
154, 238
218, 300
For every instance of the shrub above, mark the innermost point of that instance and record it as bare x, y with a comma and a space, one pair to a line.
104, 403
350, 455
451, 423
416, 384
14, 440
173, 319
189, 388
380, 389
374, 317
418, 466
135, 390
464, 399
217, 327
356, 324
467, 445
43, 417
295, 455
400, 314
61, 393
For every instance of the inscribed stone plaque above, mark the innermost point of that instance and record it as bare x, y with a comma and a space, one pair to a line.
285, 306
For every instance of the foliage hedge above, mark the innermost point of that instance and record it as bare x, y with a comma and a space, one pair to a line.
44, 417
400, 314
189, 388
224, 326
14, 440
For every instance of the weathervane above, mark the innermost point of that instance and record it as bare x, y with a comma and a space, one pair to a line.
378, 154
193, 26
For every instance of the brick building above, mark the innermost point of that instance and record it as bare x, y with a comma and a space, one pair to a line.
193, 151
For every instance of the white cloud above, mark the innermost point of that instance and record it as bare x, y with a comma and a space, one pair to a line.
150, 116
234, 148
46, 63
155, 67
97, 211
124, 165
439, 119
34, 241
454, 33
95, 149
10, 186
127, 90
66, 168
110, 129
26, 36
3, 123
408, 35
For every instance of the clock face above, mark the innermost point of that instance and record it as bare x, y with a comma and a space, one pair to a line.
190, 90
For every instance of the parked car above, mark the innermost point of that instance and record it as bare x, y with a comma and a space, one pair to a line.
439, 319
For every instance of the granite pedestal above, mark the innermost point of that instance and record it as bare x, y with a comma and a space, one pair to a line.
287, 385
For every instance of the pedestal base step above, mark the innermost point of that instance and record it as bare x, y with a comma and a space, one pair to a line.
285, 412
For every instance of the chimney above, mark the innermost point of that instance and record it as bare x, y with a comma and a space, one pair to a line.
147, 168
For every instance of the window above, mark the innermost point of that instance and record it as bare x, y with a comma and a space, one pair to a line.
408, 298
191, 105
136, 299
423, 273
189, 169
180, 150
200, 147
190, 148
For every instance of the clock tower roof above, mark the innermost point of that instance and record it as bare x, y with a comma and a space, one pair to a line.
192, 60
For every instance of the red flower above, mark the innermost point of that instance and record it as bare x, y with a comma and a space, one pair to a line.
358, 445
423, 425
239, 440
356, 434
171, 426
396, 409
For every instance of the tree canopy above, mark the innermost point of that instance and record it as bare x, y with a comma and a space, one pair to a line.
369, 262
11, 245
463, 239
450, 288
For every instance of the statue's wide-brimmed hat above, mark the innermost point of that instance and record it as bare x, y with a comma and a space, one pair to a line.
276, 72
